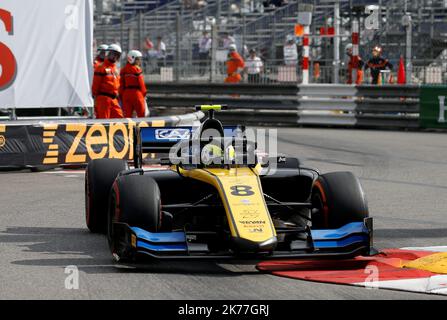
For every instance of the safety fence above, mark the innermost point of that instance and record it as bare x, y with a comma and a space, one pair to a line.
275, 71
36, 144
386, 106
205, 71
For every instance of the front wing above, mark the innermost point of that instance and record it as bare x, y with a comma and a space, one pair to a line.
352, 239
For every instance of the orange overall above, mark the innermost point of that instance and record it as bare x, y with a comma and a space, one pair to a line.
355, 65
234, 62
132, 90
97, 62
105, 90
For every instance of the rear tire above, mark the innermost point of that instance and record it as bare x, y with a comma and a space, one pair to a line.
134, 200
99, 177
339, 199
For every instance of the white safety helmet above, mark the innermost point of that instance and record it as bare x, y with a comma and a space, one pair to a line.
102, 47
290, 37
232, 47
133, 55
115, 47
348, 47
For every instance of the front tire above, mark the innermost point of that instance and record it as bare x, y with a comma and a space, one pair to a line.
99, 177
134, 200
338, 199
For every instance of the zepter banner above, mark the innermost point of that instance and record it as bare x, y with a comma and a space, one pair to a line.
46, 53
29, 144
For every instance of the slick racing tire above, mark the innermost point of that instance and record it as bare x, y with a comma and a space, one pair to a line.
99, 177
337, 199
134, 200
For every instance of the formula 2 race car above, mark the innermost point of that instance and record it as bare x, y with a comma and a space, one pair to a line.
215, 199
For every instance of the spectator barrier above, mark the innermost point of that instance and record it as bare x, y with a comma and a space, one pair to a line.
75, 141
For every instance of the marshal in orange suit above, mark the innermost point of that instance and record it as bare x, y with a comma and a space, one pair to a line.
106, 84
102, 49
132, 87
235, 65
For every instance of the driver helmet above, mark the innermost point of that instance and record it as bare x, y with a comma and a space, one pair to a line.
210, 152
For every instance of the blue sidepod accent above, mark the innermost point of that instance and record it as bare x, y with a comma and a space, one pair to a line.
351, 233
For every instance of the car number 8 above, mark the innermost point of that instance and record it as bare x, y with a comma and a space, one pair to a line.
241, 190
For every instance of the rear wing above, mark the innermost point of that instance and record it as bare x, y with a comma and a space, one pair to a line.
162, 139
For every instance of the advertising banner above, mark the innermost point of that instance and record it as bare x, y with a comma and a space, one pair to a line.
46, 53
68, 143
433, 102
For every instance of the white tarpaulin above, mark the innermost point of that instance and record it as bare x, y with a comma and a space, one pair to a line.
46, 53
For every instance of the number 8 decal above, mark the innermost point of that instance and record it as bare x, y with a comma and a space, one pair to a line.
241, 190
7, 59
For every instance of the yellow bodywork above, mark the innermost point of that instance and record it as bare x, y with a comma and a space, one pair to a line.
241, 193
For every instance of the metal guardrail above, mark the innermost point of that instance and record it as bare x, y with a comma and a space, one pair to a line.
388, 90
387, 106
223, 89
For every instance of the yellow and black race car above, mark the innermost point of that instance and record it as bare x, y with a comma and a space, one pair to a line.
216, 200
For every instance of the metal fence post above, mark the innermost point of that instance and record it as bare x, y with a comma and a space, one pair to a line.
140, 29
336, 40
244, 32
355, 49
204, 20
213, 52
99, 7
273, 47
406, 21
218, 11
306, 52
122, 33
130, 36
12, 114
177, 47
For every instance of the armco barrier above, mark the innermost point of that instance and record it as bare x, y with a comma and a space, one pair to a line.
62, 142
387, 106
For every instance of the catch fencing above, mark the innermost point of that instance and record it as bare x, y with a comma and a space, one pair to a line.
275, 71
